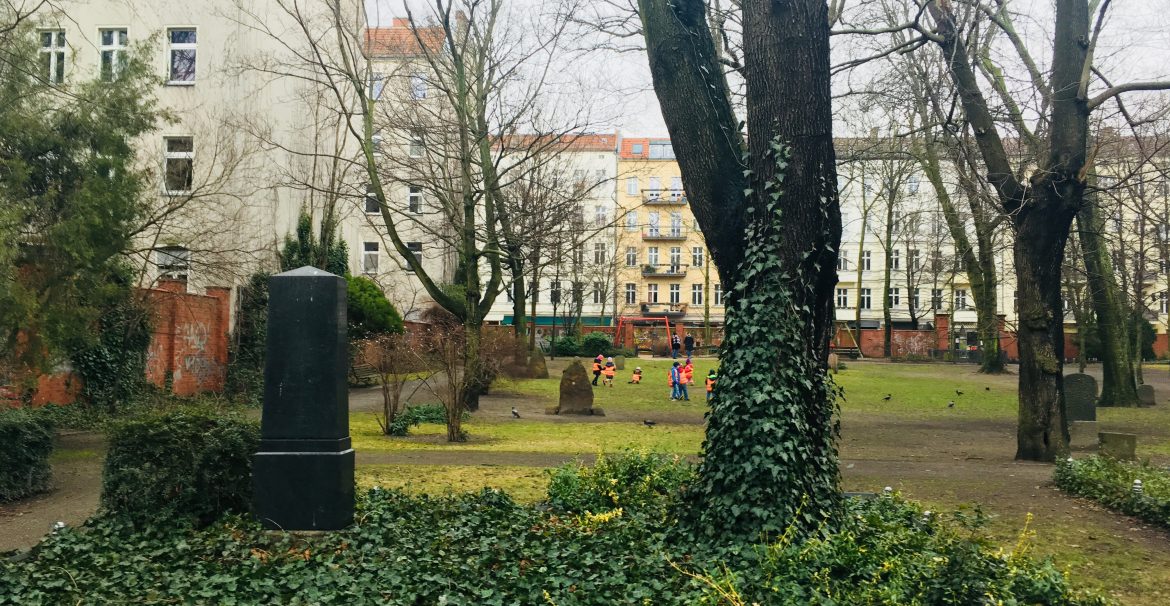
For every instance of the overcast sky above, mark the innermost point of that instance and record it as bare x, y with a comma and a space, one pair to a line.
1135, 45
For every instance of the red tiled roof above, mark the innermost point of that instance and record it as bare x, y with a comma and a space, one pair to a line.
399, 40
627, 149
604, 142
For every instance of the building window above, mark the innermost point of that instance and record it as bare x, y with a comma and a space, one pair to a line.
173, 261
676, 225
655, 188
554, 292
936, 297
414, 200
661, 151
675, 259
866, 259
865, 301
179, 163
652, 255
697, 256
182, 56
912, 183
598, 292
631, 256
896, 260
960, 299
653, 228
895, 298
636, 149
377, 85
1163, 303
842, 298
600, 215
418, 86
915, 259
632, 221
718, 293
599, 253
53, 56
631, 186
416, 147
651, 293
370, 257
579, 254
843, 261
696, 294
676, 188
112, 52
916, 299
415, 249
675, 294
631, 293
372, 204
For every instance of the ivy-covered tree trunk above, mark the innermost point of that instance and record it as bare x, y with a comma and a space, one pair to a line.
769, 459
1118, 379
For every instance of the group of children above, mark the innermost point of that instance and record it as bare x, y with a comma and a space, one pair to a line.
680, 376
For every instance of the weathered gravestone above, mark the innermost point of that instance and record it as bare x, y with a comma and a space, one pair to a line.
834, 363
1080, 397
619, 362
1146, 395
537, 368
576, 393
302, 477
1082, 435
1121, 446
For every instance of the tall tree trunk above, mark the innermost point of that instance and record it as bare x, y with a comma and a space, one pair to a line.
1118, 386
770, 459
888, 266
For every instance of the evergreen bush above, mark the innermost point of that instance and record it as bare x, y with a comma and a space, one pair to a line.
26, 441
1110, 482
189, 464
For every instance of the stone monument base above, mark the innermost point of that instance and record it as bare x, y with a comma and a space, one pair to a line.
1082, 435
303, 490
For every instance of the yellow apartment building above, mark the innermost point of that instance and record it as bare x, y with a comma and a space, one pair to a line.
664, 267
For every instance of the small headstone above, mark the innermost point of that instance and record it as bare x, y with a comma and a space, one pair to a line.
834, 363
537, 368
1146, 395
1120, 446
576, 391
1082, 435
1080, 397
619, 362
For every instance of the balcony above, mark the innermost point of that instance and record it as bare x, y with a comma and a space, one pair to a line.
670, 233
664, 309
668, 197
664, 270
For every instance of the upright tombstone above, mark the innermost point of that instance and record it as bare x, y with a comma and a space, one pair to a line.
576, 393
1080, 397
302, 476
1146, 395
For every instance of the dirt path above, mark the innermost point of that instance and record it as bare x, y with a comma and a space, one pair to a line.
77, 485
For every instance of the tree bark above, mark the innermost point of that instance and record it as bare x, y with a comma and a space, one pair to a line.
888, 266
1118, 379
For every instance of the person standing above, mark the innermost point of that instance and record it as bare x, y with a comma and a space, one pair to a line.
711, 379
675, 345
608, 372
687, 377
596, 369
689, 345
675, 381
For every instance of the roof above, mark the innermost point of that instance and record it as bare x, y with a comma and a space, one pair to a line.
400, 40
626, 151
600, 142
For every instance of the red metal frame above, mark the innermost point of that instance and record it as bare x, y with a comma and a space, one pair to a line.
622, 320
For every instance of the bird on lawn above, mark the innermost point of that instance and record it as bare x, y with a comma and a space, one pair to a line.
887, 398
515, 413
649, 423
958, 392
986, 389
951, 404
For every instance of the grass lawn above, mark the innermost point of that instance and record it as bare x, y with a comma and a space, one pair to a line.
946, 457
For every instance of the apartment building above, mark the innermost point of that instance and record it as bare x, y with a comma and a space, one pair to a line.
229, 173
665, 268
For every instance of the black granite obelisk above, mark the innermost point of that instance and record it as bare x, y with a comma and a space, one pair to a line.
303, 474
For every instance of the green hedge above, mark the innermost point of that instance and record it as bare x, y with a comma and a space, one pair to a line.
186, 465
1110, 482
629, 480
484, 549
26, 441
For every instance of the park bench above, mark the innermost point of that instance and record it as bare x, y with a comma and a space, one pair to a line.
364, 374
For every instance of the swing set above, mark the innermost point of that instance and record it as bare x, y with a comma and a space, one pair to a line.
629, 323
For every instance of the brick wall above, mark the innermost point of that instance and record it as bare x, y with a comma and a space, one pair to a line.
189, 346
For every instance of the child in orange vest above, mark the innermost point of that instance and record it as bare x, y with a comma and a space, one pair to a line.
637, 377
685, 378
711, 378
596, 369
608, 372
689, 372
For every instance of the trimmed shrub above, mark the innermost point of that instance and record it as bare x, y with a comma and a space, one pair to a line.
412, 416
188, 464
1110, 482
368, 310
26, 441
567, 346
597, 343
632, 481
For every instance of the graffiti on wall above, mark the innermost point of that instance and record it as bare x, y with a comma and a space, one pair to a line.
913, 344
